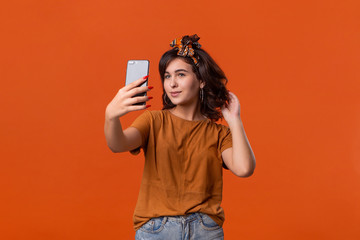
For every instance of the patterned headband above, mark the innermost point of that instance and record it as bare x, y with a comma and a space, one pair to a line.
185, 47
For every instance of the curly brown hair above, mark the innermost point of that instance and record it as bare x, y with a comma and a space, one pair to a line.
215, 93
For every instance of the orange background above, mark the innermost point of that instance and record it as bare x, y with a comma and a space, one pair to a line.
294, 66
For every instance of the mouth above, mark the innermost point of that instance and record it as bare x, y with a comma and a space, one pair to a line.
175, 93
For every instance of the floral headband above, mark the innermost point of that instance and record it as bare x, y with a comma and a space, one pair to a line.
185, 47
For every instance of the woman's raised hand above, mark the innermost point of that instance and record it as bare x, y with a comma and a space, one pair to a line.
123, 101
232, 111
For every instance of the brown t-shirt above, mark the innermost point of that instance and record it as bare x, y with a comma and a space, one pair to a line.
183, 166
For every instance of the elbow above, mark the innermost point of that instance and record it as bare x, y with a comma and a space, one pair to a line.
246, 172
115, 149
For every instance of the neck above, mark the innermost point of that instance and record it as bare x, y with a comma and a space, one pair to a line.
191, 113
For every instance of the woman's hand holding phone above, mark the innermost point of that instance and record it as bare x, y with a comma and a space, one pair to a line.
124, 100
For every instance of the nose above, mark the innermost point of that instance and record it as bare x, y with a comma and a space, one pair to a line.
173, 82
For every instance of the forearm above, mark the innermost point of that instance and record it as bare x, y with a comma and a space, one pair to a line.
242, 156
114, 134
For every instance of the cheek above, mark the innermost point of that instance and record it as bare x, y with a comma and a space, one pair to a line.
165, 85
193, 85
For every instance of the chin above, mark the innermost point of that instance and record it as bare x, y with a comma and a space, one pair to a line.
175, 102
181, 103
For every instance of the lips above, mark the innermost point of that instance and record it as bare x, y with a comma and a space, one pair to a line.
174, 94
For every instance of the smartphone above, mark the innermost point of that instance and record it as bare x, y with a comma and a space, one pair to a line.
137, 69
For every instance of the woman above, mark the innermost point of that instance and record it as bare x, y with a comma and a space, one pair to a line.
185, 150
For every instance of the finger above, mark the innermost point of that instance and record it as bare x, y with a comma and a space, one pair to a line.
233, 95
138, 90
139, 99
136, 83
137, 107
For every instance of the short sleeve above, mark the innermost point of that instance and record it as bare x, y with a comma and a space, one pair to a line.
142, 123
225, 141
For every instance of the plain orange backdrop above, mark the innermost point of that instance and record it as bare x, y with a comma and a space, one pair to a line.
294, 66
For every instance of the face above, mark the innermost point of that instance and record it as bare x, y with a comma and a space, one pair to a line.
181, 84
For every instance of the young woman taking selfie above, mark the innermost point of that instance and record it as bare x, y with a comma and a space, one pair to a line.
185, 149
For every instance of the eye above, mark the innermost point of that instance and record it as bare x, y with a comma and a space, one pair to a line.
166, 76
181, 74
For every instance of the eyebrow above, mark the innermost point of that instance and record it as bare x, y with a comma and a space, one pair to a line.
178, 70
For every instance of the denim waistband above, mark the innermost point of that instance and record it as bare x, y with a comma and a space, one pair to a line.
185, 218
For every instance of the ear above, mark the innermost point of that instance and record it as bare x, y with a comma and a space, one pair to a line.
202, 84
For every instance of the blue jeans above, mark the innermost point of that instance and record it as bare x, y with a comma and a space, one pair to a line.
195, 226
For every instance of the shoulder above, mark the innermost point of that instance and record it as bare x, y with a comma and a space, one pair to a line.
155, 113
150, 113
153, 116
218, 126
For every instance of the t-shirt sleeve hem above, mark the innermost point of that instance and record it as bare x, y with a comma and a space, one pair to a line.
142, 125
226, 143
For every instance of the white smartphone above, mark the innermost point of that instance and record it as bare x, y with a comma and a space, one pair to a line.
137, 69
